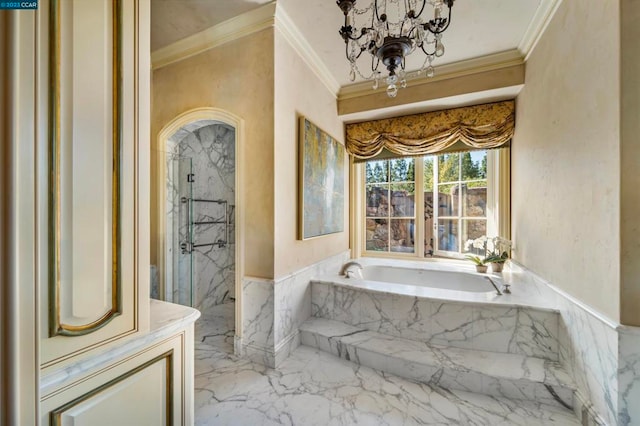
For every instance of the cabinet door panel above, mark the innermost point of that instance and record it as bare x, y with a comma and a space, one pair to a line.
85, 164
90, 228
150, 386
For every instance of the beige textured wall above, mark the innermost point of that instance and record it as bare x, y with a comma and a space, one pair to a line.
237, 77
299, 92
630, 166
566, 156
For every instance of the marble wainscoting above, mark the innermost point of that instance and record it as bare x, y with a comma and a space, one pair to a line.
629, 376
273, 310
258, 306
602, 357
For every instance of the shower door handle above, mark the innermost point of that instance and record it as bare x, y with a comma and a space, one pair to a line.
186, 247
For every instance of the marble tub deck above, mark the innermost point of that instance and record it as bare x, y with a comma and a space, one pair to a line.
312, 387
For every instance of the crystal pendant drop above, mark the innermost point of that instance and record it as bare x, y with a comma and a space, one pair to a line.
375, 84
439, 48
392, 91
352, 75
403, 83
430, 71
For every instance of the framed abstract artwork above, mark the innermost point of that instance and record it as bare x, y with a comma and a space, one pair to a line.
321, 177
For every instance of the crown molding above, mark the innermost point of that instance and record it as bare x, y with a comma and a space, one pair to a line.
537, 26
292, 34
271, 15
229, 30
241, 26
492, 62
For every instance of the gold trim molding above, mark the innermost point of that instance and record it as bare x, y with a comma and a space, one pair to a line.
56, 327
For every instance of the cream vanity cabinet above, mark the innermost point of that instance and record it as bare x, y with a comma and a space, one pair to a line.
108, 355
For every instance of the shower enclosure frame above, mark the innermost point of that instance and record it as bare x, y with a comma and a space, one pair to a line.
206, 116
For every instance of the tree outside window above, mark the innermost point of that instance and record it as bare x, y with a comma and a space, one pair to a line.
454, 189
390, 205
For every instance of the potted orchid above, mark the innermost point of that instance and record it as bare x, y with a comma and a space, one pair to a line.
495, 250
478, 245
498, 252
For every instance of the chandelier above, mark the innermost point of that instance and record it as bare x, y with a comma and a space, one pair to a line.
390, 40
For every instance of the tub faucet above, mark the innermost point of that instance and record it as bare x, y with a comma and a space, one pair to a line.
494, 286
346, 268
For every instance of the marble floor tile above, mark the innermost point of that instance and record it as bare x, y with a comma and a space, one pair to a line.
215, 329
315, 388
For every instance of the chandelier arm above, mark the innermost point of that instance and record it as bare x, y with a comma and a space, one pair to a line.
427, 53
357, 38
376, 60
402, 26
448, 20
424, 3
346, 52
375, 7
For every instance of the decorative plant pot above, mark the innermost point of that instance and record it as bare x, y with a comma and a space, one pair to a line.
497, 266
481, 268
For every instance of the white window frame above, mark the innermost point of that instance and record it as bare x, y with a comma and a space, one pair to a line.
498, 207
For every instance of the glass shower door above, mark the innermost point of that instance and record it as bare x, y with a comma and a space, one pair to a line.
179, 238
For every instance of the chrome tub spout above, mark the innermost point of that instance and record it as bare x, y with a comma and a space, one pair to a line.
347, 268
494, 286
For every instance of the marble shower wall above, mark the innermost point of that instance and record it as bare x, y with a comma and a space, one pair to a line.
210, 149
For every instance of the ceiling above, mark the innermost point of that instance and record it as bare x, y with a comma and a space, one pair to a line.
478, 28
172, 20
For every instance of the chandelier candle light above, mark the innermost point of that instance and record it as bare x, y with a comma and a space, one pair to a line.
390, 41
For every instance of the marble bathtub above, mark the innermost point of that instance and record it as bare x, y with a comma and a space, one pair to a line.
424, 281
465, 312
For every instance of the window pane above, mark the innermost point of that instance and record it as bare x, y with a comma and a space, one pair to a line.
403, 199
448, 234
377, 235
448, 199
429, 243
377, 200
377, 171
428, 173
402, 170
474, 165
472, 229
448, 168
474, 199
402, 233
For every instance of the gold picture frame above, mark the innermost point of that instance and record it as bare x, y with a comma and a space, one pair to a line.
321, 186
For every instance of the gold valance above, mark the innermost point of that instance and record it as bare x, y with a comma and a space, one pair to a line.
477, 127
